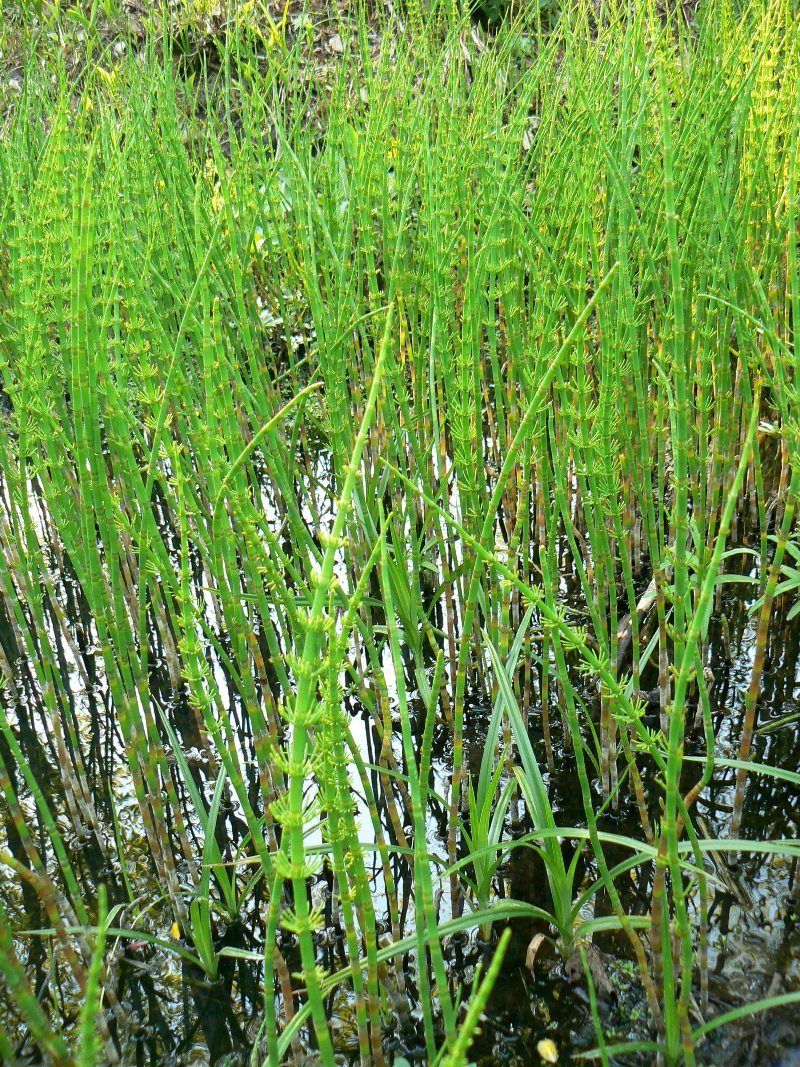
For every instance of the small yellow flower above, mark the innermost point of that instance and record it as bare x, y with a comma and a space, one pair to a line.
217, 200
547, 1050
109, 77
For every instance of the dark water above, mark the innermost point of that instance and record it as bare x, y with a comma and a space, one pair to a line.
174, 1015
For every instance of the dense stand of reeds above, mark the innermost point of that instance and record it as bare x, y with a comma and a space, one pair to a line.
313, 429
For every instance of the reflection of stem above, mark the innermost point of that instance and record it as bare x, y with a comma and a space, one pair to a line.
756, 675
796, 885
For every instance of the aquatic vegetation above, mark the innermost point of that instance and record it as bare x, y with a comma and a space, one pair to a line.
387, 469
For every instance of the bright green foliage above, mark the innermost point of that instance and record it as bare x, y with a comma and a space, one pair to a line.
315, 401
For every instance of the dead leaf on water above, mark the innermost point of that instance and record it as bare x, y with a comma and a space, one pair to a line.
575, 971
533, 948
